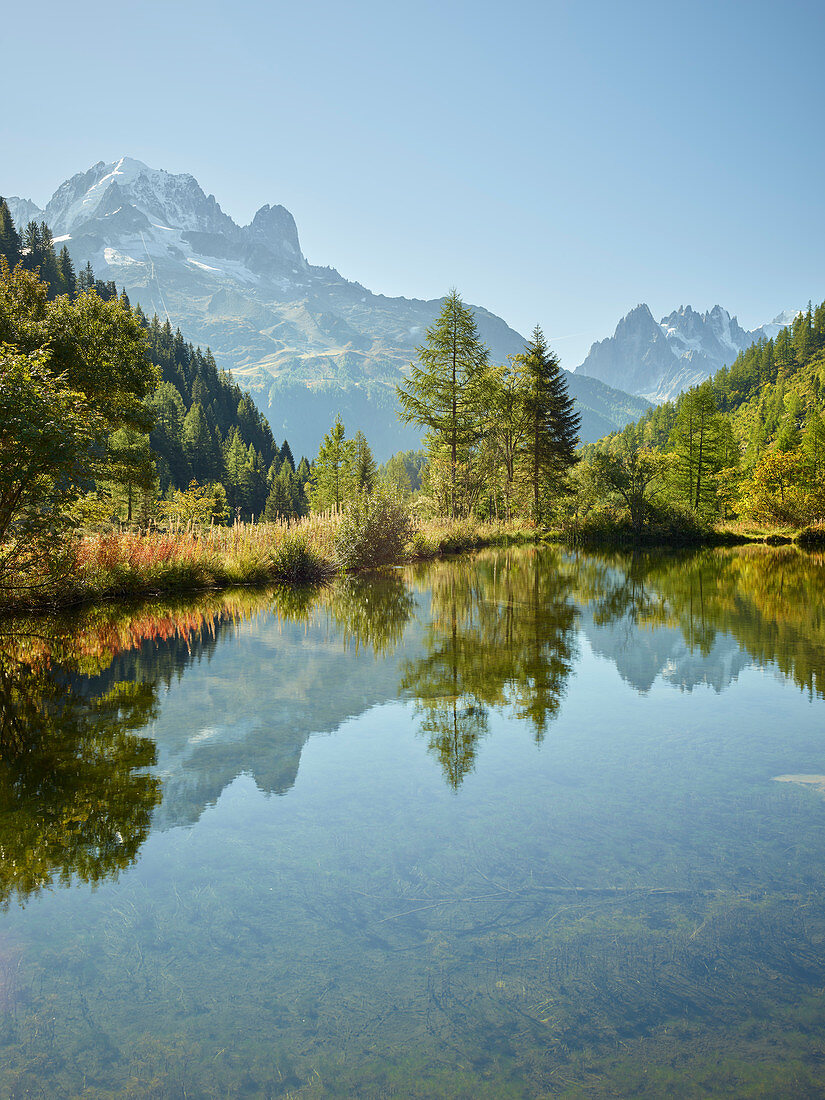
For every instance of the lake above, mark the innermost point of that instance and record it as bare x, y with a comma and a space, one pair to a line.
528, 823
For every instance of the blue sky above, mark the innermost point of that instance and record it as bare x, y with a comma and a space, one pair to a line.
557, 162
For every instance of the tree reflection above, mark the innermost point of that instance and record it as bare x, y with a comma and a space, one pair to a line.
75, 798
369, 611
500, 638
771, 602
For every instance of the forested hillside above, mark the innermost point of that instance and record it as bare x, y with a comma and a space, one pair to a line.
308, 343
203, 426
748, 442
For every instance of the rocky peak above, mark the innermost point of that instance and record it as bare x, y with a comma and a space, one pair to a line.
275, 228
639, 320
173, 200
23, 211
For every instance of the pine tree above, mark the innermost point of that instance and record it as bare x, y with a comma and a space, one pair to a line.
442, 393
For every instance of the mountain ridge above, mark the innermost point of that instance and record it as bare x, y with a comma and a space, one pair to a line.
307, 342
657, 360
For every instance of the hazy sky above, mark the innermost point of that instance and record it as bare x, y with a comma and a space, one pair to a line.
557, 162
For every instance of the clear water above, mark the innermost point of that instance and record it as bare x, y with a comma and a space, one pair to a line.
499, 827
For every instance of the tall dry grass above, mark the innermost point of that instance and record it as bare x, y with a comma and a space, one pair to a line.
192, 557
189, 557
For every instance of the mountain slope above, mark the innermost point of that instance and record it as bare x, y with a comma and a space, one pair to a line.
306, 341
658, 360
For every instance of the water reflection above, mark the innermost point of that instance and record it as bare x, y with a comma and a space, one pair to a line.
88, 706
78, 697
700, 618
76, 799
635, 910
501, 635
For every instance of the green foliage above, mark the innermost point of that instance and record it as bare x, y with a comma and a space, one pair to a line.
199, 504
138, 375
47, 435
296, 562
443, 391
373, 532
498, 436
364, 470
750, 441
636, 475
697, 443
332, 472
286, 498
10, 247
76, 793
99, 346
551, 425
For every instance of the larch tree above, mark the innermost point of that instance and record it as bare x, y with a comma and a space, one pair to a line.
697, 440
442, 391
331, 481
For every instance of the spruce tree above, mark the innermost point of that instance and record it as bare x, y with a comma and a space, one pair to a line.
49, 268
86, 279
285, 454
552, 426
10, 248
32, 254
67, 275
198, 444
363, 466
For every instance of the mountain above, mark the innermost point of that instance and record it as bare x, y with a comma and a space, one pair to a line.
657, 360
306, 341
643, 654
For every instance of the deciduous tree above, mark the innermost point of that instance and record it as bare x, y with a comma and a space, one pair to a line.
442, 390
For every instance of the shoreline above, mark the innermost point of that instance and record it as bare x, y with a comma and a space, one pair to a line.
296, 559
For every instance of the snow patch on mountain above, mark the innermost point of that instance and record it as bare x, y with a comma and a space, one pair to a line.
118, 259
205, 267
306, 341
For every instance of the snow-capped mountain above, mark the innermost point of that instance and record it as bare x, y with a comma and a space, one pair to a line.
306, 342
657, 360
